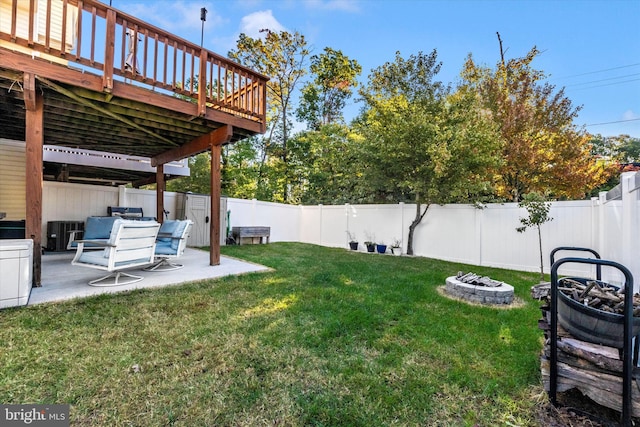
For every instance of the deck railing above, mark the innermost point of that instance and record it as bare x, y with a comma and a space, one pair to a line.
123, 48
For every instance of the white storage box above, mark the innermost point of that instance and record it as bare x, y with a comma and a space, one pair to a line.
16, 265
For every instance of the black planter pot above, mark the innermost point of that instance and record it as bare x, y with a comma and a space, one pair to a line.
371, 248
353, 246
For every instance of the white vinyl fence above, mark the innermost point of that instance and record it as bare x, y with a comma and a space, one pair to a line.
461, 233
466, 234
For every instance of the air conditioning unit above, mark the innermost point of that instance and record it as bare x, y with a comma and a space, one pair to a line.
58, 233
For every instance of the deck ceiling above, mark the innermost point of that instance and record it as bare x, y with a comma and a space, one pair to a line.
76, 117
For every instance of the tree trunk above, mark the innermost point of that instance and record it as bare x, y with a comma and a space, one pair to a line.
263, 159
285, 137
541, 263
412, 227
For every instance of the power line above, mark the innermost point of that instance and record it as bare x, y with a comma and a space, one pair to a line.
604, 80
597, 71
606, 84
610, 123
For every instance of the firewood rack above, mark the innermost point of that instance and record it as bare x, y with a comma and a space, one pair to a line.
628, 355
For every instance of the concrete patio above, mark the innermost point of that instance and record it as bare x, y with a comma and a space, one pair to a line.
62, 281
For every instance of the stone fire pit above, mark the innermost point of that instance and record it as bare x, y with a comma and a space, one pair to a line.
482, 290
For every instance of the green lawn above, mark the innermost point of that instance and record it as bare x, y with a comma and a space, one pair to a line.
329, 338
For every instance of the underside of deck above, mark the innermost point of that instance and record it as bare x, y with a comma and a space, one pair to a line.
131, 120
88, 78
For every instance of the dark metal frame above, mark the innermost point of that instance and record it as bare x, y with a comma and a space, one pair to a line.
627, 367
575, 248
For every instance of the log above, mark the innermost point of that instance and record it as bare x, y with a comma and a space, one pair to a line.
602, 388
541, 290
603, 357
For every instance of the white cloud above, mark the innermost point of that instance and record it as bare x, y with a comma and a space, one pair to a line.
173, 16
252, 24
341, 5
630, 115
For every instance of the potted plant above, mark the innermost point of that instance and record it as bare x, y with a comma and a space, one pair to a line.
396, 247
381, 247
353, 242
371, 242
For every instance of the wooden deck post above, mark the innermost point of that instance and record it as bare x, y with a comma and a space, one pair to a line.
212, 141
214, 233
202, 84
160, 187
34, 136
109, 51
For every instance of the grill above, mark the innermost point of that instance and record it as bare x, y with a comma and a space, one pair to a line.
125, 212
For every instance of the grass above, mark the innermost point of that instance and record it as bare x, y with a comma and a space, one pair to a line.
329, 338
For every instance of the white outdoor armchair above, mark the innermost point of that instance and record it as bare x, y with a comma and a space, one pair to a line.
131, 244
170, 244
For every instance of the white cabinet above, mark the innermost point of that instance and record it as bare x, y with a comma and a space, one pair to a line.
16, 265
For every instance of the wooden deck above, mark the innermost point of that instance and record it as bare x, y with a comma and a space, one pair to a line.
105, 91
83, 75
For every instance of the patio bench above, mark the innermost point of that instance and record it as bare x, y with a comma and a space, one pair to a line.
254, 231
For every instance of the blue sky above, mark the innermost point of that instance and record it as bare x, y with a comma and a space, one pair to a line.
591, 47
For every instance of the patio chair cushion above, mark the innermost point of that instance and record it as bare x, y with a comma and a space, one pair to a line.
100, 258
164, 248
177, 234
166, 245
98, 227
167, 230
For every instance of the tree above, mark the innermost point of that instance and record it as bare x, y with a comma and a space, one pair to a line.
199, 179
421, 142
324, 98
281, 56
326, 166
543, 150
616, 154
621, 149
239, 169
538, 213
629, 149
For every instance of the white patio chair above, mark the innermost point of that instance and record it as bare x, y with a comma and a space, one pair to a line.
170, 244
131, 244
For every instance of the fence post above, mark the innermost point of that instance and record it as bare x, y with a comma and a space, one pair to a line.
346, 212
402, 239
253, 211
478, 216
630, 224
320, 223
595, 225
122, 195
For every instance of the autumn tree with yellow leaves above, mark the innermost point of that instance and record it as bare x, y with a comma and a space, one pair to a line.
543, 150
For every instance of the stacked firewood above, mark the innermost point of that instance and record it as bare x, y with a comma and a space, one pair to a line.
595, 370
598, 295
476, 280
